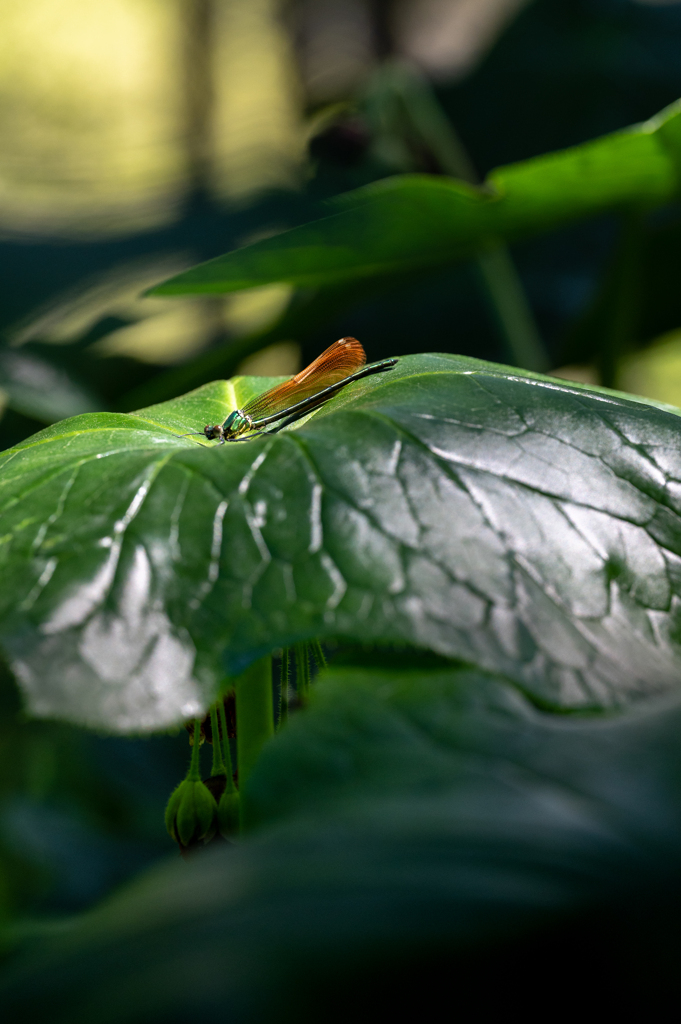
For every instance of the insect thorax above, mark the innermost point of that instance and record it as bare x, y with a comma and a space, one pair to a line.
241, 424
236, 424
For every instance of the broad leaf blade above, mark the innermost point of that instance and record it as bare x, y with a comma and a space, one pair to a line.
522, 524
411, 222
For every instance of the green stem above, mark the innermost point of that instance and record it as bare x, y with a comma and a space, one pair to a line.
511, 310
428, 120
302, 671
318, 654
622, 305
254, 715
194, 773
218, 765
500, 280
226, 752
284, 684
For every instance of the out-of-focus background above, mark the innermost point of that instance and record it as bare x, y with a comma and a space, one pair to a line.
139, 137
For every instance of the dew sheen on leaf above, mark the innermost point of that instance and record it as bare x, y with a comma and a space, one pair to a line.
525, 525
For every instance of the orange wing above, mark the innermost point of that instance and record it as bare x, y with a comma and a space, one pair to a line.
339, 361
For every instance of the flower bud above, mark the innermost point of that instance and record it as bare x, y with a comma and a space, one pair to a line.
228, 813
191, 812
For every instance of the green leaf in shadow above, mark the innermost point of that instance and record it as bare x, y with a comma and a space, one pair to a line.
405, 816
411, 221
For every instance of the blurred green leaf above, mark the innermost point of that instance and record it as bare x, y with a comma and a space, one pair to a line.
409, 222
74, 817
520, 523
42, 389
418, 813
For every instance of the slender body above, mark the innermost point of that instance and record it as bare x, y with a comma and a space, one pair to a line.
341, 363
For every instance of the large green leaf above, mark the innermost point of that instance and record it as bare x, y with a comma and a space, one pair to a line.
525, 525
415, 221
421, 816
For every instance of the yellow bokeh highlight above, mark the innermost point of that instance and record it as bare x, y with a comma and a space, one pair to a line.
88, 113
169, 330
259, 135
654, 372
257, 309
166, 335
279, 360
93, 109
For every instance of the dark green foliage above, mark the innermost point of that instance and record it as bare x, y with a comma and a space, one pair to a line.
406, 818
407, 223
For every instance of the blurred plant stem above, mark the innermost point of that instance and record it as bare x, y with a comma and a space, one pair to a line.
254, 715
621, 300
194, 770
226, 752
501, 283
197, 18
511, 310
318, 652
218, 767
302, 656
284, 683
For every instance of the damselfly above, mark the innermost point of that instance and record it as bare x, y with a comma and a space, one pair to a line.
340, 365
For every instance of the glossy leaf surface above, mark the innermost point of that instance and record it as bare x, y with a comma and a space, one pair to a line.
404, 813
410, 222
525, 525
